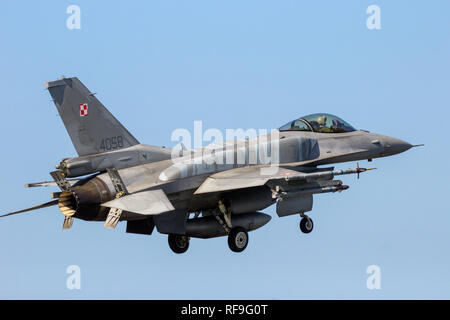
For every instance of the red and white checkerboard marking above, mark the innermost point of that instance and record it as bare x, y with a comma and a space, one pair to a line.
83, 110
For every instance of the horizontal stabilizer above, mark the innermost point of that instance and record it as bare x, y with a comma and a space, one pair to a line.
151, 202
48, 183
44, 205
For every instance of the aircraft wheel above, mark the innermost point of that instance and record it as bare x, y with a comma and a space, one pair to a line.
178, 243
238, 239
306, 224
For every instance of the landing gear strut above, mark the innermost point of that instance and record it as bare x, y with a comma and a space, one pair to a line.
238, 239
178, 243
237, 236
306, 224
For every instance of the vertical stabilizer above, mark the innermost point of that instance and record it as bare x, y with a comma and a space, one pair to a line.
91, 127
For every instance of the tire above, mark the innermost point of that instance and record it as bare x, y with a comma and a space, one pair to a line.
306, 225
238, 239
178, 243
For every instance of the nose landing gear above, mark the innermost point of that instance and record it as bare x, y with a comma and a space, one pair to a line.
306, 223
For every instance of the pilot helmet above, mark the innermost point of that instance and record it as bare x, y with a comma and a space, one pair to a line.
322, 120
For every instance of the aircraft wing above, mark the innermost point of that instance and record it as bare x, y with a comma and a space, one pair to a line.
254, 176
292, 187
246, 177
146, 203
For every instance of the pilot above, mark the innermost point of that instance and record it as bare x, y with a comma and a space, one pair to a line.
322, 121
322, 124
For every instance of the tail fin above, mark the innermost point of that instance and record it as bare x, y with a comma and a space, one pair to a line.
91, 127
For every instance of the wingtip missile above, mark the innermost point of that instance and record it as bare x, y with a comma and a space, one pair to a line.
366, 169
358, 169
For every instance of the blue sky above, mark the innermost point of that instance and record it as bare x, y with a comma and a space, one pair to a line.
161, 65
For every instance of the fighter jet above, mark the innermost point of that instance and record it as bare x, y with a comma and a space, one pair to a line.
201, 193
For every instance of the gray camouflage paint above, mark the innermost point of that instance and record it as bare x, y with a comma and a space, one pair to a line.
200, 180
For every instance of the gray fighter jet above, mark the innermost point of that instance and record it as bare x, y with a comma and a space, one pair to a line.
201, 193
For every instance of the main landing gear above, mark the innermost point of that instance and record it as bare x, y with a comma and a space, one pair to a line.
237, 236
238, 239
178, 243
306, 224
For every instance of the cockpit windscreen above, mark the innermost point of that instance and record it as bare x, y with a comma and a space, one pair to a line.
318, 122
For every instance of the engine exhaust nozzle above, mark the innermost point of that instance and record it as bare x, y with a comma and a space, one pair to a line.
83, 201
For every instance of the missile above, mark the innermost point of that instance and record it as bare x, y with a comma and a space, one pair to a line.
296, 193
328, 175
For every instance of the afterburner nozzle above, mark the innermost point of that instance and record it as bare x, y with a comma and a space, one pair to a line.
83, 201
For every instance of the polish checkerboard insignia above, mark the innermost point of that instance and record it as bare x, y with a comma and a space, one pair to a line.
83, 110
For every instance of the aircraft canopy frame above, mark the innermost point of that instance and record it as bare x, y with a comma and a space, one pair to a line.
318, 122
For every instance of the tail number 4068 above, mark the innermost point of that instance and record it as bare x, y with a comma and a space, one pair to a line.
112, 143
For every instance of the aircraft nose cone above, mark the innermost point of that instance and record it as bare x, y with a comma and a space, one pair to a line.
393, 145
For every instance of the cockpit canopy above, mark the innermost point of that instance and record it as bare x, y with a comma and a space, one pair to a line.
318, 122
